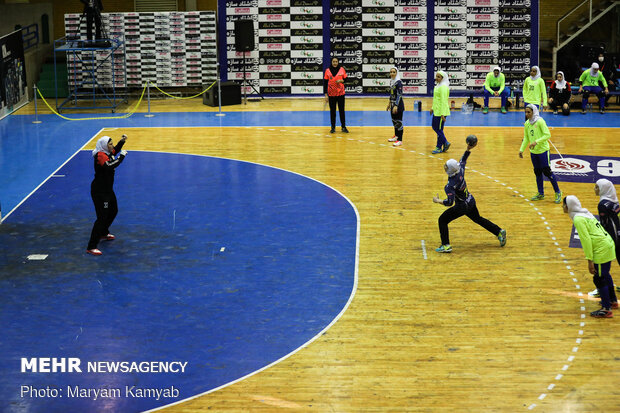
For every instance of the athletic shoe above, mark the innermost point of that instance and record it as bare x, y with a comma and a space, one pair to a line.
446, 147
345, 130
558, 197
614, 305
108, 237
594, 293
502, 237
444, 248
537, 197
503, 109
555, 112
94, 251
397, 143
583, 111
393, 139
602, 110
618, 288
485, 110
332, 130
602, 313
436, 150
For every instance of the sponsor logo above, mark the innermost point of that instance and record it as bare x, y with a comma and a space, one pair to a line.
581, 168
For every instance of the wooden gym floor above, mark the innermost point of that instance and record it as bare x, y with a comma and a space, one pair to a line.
482, 329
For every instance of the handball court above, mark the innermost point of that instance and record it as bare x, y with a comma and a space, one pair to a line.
295, 269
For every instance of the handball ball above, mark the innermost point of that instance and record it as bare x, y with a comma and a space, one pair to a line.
471, 140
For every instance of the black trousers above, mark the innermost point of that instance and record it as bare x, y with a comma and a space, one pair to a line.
397, 121
106, 209
93, 15
333, 100
558, 104
458, 210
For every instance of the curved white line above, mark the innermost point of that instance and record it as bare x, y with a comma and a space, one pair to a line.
307, 343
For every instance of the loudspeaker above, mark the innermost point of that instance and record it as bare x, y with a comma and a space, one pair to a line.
244, 35
231, 94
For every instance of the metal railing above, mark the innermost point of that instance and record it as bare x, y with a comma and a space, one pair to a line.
30, 36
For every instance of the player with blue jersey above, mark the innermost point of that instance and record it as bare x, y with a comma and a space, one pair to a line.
464, 203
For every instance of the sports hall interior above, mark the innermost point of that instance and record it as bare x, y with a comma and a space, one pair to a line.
294, 269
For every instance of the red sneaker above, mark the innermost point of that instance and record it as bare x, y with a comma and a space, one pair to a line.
602, 313
614, 305
94, 251
108, 237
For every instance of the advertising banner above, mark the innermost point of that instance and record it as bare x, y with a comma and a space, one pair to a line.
13, 90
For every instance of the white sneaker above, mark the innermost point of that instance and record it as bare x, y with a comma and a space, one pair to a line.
594, 293
393, 139
397, 143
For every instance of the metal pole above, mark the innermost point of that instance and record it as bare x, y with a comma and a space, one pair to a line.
36, 119
245, 98
219, 92
148, 98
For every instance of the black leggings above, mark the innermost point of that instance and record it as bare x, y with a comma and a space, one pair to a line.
458, 210
604, 284
333, 100
106, 209
397, 121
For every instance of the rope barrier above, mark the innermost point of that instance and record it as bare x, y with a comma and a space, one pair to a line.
125, 116
190, 97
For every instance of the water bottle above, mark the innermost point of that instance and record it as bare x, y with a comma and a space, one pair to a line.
452, 104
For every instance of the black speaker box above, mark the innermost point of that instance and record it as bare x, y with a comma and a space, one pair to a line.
231, 94
244, 35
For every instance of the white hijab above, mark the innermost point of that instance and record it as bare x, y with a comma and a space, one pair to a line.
534, 78
560, 85
535, 114
102, 146
444, 79
607, 190
452, 167
498, 69
575, 209
594, 66
396, 79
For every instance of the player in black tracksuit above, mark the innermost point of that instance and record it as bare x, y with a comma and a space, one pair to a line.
102, 191
464, 204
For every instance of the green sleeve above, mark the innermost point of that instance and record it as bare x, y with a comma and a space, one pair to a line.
584, 236
502, 83
543, 86
487, 83
542, 130
525, 141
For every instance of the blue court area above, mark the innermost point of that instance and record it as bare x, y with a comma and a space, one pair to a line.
29, 152
222, 264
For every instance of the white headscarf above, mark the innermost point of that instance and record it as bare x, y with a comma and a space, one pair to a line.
102, 146
594, 66
535, 114
396, 79
534, 78
444, 79
498, 69
575, 209
560, 85
607, 190
452, 167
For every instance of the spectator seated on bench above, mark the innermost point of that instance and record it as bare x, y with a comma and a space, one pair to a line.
591, 81
495, 85
560, 95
